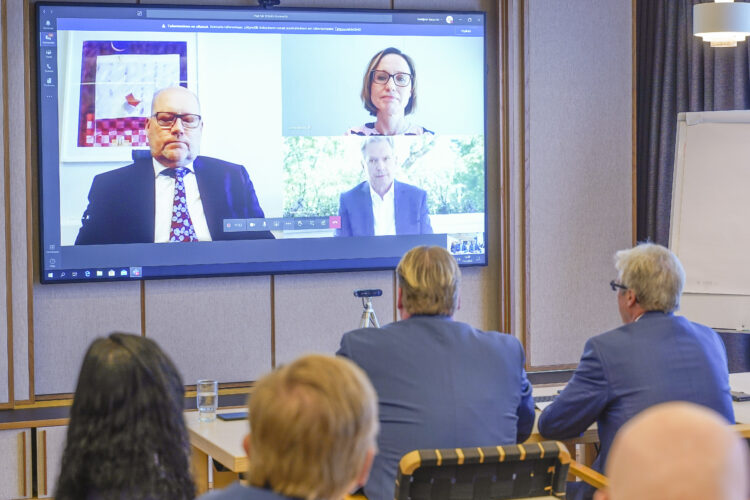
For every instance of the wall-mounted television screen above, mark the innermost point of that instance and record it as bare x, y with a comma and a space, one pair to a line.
204, 141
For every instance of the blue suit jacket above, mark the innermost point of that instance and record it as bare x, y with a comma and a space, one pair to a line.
659, 358
410, 208
440, 384
121, 202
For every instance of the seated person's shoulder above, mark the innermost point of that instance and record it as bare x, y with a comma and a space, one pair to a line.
236, 491
411, 188
356, 189
116, 174
505, 339
216, 162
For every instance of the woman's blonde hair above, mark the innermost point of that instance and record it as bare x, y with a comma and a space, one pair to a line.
429, 278
312, 423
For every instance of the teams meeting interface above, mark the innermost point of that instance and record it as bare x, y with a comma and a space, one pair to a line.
282, 125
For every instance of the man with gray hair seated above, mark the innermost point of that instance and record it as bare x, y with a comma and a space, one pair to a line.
677, 450
440, 383
652, 358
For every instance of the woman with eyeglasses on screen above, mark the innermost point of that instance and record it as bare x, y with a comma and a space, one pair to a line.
389, 93
126, 437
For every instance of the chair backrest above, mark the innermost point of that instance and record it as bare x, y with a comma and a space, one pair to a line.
484, 473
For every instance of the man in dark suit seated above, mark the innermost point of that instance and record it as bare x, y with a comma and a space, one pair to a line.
653, 358
382, 205
440, 383
312, 432
173, 195
677, 450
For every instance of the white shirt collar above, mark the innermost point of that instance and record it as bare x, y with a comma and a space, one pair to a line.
376, 197
159, 167
383, 212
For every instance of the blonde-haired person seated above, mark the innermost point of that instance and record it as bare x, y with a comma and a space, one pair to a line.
677, 451
441, 383
313, 424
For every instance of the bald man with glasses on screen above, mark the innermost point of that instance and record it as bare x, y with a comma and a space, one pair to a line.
174, 195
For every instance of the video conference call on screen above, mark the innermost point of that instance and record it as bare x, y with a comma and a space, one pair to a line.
267, 140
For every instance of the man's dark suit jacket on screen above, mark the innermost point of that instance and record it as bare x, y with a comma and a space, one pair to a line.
659, 358
440, 384
410, 208
121, 202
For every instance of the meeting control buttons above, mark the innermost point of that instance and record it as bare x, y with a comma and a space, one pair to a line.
282, 224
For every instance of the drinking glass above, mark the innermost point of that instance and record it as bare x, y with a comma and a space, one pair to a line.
207, 399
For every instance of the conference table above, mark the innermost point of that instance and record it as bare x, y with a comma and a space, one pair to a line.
221, 440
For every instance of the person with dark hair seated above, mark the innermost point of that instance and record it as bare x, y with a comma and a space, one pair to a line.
127, 437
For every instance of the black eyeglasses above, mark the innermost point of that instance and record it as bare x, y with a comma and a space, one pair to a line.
382, 77
166, 120
615, 285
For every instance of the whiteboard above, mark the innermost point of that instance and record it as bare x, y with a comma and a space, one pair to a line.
710, 224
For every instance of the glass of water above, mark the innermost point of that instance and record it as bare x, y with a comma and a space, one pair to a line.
207, 399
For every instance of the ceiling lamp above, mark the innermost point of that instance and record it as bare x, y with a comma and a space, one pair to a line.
723, 23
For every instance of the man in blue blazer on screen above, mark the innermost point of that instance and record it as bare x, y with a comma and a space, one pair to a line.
171, 195
440, 383
653, 358
381, 205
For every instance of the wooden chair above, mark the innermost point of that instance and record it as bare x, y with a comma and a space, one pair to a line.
743, 430
533, 470
598, 480
588, 475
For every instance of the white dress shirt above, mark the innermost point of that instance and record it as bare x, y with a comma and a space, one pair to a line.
164, 196
383, 212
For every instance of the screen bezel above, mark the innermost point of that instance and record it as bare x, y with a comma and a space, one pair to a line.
218, 269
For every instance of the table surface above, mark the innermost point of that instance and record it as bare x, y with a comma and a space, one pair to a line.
223, 440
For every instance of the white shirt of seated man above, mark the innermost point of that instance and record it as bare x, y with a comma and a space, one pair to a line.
164, 202
379, 161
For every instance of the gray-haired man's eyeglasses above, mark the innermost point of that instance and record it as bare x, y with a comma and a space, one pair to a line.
615, 285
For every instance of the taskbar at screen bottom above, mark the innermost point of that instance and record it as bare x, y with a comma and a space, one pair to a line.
132, 273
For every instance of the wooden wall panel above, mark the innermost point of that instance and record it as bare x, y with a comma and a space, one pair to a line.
217, 328
579, 170
18, 101
5, 360
477, 299
67, 317
314, 310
